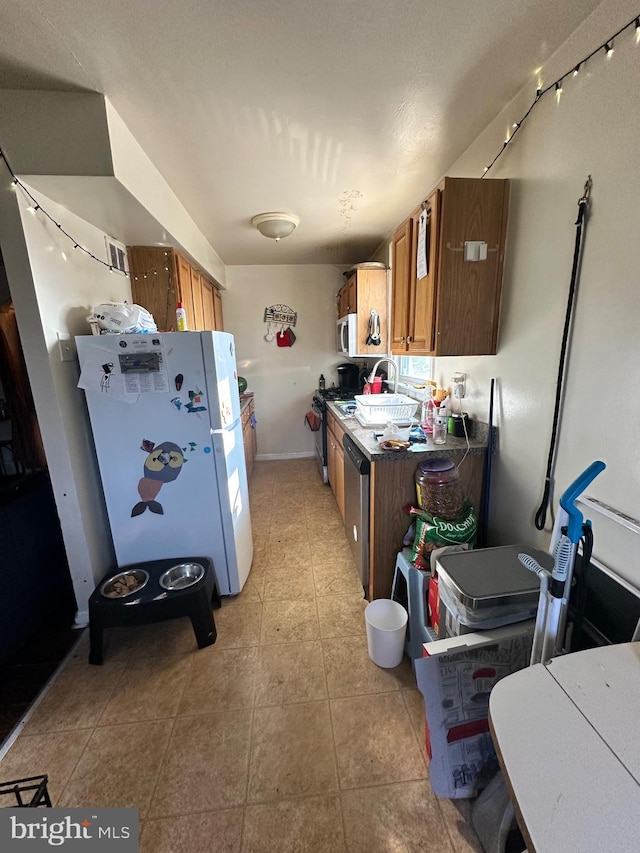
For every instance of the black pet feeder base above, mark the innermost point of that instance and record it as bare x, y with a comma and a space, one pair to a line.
154, 603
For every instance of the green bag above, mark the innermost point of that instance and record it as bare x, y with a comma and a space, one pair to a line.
433, 532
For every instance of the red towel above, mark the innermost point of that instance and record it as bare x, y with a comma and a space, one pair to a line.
313, 421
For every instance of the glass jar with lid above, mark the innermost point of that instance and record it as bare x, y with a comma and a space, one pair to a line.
438, 488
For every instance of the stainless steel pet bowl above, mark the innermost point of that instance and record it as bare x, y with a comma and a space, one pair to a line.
124, 583
181, 576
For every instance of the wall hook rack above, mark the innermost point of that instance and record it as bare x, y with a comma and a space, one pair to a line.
280, 314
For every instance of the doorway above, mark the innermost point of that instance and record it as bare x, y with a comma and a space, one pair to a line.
37, 605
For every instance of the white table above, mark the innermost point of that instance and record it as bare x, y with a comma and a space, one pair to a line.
568, 737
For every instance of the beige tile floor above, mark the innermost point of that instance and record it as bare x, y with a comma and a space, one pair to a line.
282, 737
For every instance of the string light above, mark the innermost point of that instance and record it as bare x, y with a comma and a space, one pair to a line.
35, 206
556, 86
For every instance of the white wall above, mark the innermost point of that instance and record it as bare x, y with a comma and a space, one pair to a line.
283, 379
593, 129
53, 288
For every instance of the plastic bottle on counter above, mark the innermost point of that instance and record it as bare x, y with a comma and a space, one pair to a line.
427, 413
181, 318
439, 434
321, 382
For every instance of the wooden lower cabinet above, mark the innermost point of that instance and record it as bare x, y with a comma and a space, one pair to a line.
335, 459
392, 486
249, 435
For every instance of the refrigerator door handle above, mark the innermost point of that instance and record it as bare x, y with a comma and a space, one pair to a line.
229, 428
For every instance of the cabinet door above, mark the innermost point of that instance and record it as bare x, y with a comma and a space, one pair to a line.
339, 477
468, 292
254, 433
208, 307
217, 310
185, 293
371, 296
331, 458
153, 283
401, 273
343, 301
352, 294
198, 311
248, 454
335, 459
422, 291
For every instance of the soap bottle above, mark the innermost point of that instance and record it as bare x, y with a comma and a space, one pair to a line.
181, 318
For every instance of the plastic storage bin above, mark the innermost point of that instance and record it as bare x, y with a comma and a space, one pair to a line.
487, 588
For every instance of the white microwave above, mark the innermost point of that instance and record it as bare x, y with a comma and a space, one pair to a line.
347, 339
347, 335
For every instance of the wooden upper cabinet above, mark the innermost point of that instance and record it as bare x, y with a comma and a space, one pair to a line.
185, 292
208, 309
348, 296
161, 277
198, 305
217, 310
422, 292
401, 278
454, 309
352, 294
154, 283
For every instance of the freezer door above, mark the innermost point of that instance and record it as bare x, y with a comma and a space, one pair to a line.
219, 354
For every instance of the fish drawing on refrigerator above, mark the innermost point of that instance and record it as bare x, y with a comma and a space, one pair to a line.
163, 465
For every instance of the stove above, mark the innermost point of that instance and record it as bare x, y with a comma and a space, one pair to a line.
336, 393
319, 407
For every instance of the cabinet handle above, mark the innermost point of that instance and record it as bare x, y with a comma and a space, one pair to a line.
409, 339
402, 340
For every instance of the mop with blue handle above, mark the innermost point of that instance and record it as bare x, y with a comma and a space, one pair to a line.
555, 586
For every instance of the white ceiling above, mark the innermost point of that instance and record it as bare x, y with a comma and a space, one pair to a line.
345, 112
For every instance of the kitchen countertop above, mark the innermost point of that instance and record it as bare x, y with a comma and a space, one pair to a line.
370, 446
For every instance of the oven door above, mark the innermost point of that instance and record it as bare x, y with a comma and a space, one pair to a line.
320, 438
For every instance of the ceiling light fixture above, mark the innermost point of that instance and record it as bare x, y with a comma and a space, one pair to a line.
276, 225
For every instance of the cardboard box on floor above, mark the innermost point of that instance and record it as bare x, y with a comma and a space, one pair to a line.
455, 677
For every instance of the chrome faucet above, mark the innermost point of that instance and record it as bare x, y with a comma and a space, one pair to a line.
396, 372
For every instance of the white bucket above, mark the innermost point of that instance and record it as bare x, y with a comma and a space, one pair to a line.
386, 622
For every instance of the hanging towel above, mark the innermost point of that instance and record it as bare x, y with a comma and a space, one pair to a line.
283, 338
313, 421
292, 337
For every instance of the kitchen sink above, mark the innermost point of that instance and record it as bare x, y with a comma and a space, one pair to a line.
348, 408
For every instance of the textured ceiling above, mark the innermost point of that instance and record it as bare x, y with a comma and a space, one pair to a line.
343, 111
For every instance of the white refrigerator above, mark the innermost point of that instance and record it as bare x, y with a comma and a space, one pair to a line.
165, 416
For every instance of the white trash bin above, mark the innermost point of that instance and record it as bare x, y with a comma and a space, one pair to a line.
386, 622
